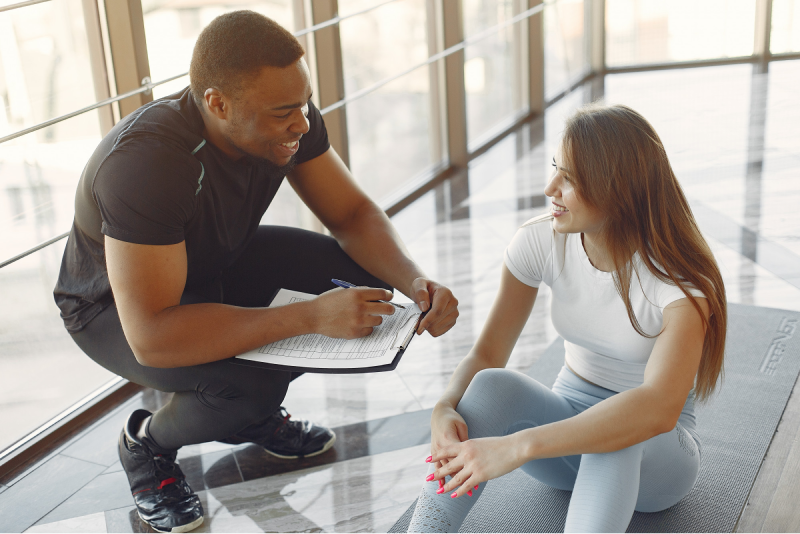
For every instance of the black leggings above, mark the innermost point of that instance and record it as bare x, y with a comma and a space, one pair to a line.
216, 400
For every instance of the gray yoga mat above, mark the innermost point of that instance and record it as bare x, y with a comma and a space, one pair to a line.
736, 426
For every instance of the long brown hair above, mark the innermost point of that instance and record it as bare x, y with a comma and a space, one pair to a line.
618, 165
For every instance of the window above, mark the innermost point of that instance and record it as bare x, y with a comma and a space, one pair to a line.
566, 60
490, 75
389, 129
785, 36
45, 71
653, 31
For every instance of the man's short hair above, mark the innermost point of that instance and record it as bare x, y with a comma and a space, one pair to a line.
236, 45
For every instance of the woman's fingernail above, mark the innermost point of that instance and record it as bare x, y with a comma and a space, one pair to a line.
469, 493
441, 482
428, 459
429, 478
476, 486
454, 495
439, 491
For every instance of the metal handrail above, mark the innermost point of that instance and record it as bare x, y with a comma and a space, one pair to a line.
40, 246
21, 4
355, 96
337, 19
148, 86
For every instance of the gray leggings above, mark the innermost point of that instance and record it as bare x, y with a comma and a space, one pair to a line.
606, 488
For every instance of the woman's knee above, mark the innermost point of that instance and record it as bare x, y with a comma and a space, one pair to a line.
670, 469
503, 386
495, 380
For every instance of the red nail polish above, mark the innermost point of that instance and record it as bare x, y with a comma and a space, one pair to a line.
454, 495
428, 459
429, 478
440, 491
441, 482
476, 486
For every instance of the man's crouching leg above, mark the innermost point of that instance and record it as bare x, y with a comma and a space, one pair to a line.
211, 402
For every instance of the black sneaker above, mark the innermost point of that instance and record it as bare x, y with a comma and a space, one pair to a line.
163, 498
284, 438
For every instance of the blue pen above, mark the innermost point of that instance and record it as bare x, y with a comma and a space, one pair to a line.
342, 283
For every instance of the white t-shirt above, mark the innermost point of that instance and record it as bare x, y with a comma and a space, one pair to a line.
601, 344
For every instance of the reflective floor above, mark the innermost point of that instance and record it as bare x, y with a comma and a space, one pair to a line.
731, 133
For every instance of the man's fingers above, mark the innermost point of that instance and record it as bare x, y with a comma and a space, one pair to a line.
378, 308
372, 293
373, 320
421, 295
443, 314
364, 332
442, 325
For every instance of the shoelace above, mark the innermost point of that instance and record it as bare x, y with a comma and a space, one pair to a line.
167, 470
285, 421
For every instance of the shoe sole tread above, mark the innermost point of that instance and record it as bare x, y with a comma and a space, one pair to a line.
325, 448
183, 528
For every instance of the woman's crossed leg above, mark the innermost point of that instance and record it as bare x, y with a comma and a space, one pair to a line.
607, 488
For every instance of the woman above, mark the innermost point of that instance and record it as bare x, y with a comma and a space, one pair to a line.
640, 302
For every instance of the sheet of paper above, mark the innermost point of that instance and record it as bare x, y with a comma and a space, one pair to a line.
316, 350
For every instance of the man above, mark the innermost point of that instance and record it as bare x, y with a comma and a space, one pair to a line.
167, 217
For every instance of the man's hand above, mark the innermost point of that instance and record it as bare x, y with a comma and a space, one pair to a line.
442, 314
349, 313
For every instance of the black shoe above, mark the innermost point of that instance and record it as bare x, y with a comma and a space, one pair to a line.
163, 498
284, 438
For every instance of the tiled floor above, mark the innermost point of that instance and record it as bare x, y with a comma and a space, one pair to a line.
732, 136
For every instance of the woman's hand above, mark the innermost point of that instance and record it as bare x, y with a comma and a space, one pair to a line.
447, 428
478, 460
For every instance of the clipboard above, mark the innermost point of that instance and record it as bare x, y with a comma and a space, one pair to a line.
335, 355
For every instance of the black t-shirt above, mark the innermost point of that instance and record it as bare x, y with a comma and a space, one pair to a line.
154, 180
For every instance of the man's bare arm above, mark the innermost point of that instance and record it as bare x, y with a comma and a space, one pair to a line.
364, 231
148, 281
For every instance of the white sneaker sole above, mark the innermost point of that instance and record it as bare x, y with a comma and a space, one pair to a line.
327, 446
183, 528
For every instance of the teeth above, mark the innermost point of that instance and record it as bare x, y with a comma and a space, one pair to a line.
289, 145
559, 208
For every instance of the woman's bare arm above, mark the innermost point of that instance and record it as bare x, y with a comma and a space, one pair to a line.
618, 422
641, 413
507, 318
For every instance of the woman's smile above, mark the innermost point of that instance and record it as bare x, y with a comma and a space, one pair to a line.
559, 210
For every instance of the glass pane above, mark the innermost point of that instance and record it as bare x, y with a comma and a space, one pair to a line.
489, 77
42, 371
785, 35
44, 66
655, 31
565, 59
45, 71
389, 129
171, 29
38, 174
